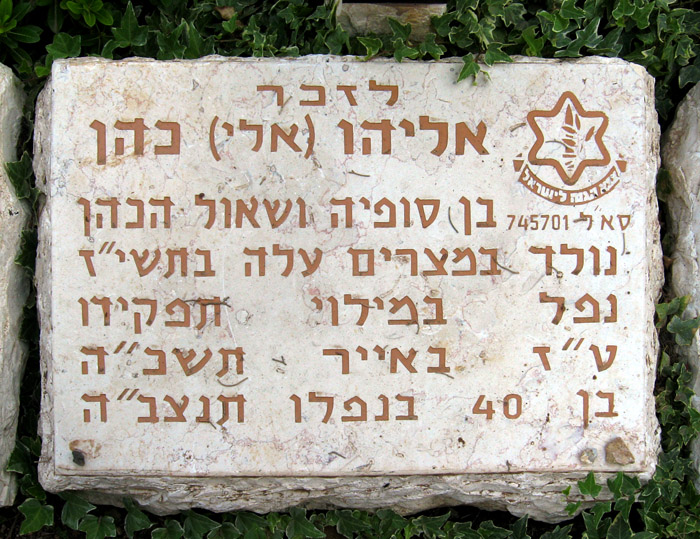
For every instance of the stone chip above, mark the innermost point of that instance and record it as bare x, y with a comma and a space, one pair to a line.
617, 452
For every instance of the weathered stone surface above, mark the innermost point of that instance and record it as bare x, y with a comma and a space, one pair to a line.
398, 291
681, 157
373, 18
13, 282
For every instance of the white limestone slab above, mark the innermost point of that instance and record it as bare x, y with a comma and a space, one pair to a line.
13, 281
681, 157
281, 365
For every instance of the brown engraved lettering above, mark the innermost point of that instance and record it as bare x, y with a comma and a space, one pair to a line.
174, 147
348, 406
410, 414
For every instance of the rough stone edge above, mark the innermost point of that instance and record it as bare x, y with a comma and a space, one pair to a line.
61, 64
682, 204
655, 279
537, 494
13, 351
42, 273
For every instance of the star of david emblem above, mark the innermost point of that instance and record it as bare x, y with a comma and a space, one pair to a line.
568, 138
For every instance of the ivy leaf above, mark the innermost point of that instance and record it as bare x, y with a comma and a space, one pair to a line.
169, 44
20, 174
534, 44
336, 39
372, 44
461, 530
5, 10
196, 525
350, 524
104, 16
558, 533
196, 45
587, 37
670, 489
30, 487
469, 69
513, 13
390, 522
559, 24
593, 519
20, 460
108, 49
400, 31
588, 486
630, 485
172, 530
90, 18
299, 525
26, 257
98, 527
277, 523
684, 330
431, 527
624, 506
129, 33
599, 510
401, 51
619, 529
33, 443
26, 34
641, 15
690, 74
623, 8
136, 519
74, 509
519, 528
36, 516
251, 525
495, 54
569, 10
490, 530
226, 531
232, 24
461, 37
610, 45
64, 46
441, 23
430, 47
572, 507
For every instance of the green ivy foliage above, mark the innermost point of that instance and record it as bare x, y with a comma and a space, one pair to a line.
661, 35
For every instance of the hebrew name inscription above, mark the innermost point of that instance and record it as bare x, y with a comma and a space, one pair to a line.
328, 267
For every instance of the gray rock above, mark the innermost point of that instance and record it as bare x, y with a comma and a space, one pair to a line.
681, 157
366, 18
13, 281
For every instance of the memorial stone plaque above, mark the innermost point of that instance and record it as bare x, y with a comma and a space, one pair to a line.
14, 284
324, 281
